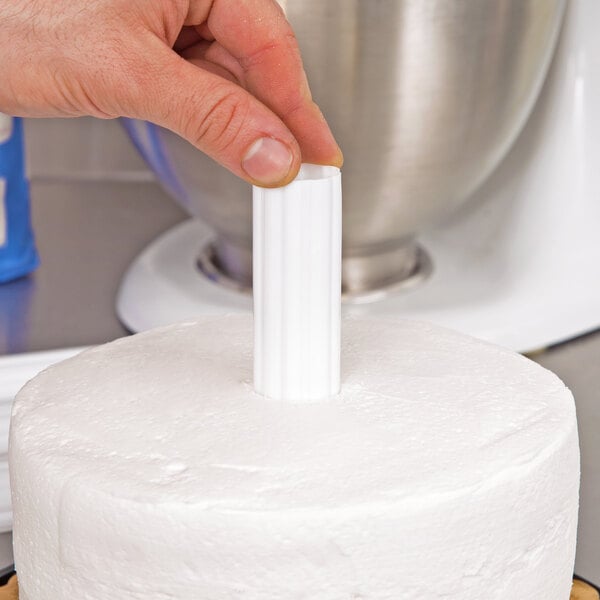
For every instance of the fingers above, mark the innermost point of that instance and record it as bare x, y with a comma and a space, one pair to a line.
186, 38
212, 53
258, 35
217, 116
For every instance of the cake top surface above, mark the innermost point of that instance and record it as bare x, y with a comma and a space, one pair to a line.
170, 416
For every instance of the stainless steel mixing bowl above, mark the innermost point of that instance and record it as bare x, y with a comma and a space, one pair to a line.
425, 98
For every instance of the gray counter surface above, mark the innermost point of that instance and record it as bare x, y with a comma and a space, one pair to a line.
89, 231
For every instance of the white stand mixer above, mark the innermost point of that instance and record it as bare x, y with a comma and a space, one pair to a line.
515, 267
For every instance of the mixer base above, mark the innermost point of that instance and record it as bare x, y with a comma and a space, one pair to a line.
475, 286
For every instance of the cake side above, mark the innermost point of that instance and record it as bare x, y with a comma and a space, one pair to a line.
445, 465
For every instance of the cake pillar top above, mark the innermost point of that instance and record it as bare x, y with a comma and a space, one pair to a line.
297, 286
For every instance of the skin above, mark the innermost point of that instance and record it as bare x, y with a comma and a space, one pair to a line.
224, 74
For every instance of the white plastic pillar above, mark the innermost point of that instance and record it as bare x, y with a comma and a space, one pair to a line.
297, 286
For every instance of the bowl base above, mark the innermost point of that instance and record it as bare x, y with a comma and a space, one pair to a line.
365, 277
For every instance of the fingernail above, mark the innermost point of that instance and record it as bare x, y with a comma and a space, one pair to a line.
268, 161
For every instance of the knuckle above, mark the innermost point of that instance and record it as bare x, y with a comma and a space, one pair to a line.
293, 105
81, 93
220, 123
256, 58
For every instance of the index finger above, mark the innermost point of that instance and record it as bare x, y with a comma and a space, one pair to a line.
258, 35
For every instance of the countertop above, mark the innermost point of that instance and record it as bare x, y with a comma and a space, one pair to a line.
89, 230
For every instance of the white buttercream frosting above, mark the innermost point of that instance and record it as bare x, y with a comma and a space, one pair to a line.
149, 469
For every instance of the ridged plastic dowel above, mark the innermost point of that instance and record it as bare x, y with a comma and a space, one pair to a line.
297, 286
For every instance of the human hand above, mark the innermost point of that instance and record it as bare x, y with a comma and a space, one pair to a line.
224, 74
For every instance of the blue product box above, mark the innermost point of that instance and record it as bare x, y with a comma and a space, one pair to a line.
18, 255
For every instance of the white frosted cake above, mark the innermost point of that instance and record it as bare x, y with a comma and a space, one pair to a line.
149, 469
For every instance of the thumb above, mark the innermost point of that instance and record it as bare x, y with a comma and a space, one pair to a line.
218, 117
